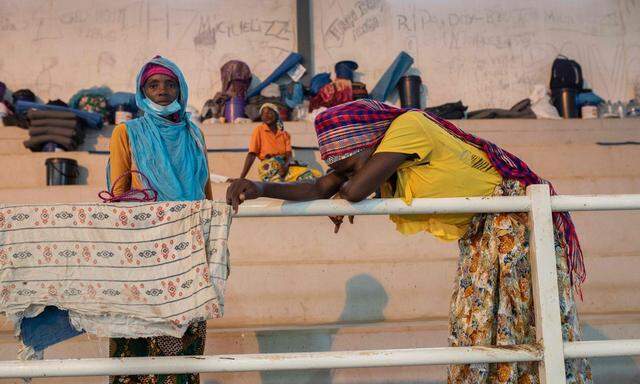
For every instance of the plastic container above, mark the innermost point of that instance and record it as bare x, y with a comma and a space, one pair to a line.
633, 109
564, 99
62, 171
589, 112
409, 89
620, 109
122, 115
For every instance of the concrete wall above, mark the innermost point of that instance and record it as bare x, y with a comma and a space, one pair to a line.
370, 287
60, 47
488, 53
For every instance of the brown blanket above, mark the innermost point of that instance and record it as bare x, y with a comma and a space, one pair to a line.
36, 143
34, 114
55, 123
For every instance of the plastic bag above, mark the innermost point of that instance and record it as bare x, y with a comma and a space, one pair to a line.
541, 103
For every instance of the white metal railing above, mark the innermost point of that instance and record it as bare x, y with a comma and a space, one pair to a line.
550, 351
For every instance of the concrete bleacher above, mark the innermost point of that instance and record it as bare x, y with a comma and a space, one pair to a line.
370, 287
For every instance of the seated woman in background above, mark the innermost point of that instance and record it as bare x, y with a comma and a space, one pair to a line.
166, 147
411, 154
272, 145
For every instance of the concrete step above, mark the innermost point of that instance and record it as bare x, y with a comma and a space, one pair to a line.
552, 162
379, 335
29, 170
81, 193
505, 132
217, 136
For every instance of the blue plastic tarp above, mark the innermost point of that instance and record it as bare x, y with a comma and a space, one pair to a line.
389, 80
291, 61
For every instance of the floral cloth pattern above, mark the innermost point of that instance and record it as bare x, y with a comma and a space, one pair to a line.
190, 344
121, 270
269, 171
492, 301
96, 104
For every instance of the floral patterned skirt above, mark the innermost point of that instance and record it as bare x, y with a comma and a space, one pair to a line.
269, 171
192, 343
492, 300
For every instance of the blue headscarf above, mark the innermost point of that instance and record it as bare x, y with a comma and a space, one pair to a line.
172, 155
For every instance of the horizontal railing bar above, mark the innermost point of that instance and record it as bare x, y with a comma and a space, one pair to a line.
602, 348
272, 208
595, 202
385, 206
267, 361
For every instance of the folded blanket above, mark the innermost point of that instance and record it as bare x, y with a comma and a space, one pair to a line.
15, 121
35, 114
60, 131
70, 123
91, 120
35, 143
120, 270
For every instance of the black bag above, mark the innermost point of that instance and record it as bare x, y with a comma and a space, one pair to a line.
449, 111
566, 73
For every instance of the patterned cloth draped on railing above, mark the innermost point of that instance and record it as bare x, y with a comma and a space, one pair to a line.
121, 270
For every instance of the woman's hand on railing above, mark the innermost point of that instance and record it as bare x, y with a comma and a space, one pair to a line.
241, 190
337, 220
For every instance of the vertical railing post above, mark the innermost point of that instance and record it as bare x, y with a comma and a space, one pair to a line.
544, 277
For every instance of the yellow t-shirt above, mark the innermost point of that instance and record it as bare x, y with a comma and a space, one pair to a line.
445, 166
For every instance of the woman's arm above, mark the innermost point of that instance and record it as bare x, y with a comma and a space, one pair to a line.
248, 162
120, 160
378, 169
208, 192
322, 188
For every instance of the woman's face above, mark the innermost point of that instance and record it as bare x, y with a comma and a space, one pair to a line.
351, 165
268, 116
161, 89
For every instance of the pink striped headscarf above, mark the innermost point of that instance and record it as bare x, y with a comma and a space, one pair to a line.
156, 69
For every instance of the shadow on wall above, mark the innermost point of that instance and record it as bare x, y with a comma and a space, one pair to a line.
618, 370
365, 301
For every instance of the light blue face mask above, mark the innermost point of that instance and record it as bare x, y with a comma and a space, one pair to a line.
163, 110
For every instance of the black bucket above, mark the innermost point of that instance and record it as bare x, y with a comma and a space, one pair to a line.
409, 89
61, 171
564, 99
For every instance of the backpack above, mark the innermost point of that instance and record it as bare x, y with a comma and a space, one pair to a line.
566, 73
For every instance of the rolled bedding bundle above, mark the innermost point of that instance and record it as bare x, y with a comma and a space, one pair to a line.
35, 143
71, 123
75, 134
60, 127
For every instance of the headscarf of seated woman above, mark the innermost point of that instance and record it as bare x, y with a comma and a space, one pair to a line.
276, 111
170, 152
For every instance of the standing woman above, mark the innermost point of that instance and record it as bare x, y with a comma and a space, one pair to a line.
167, 148
411, 154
